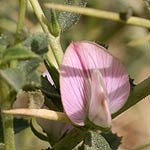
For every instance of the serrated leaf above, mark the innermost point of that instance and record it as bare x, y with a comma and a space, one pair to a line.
112, 139
94, 141
67, 19
14, 77
17, 53
37, 42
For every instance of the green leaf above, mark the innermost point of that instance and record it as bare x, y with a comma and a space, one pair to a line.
23, 76
37, 42
4, 41
147, 2
67, 19
14, 77
94, 141
17, 53
53, 99
38, 134
112, 139
53, 73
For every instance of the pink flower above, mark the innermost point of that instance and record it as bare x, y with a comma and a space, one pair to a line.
93, 84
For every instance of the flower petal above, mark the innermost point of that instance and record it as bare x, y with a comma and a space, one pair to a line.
98, 111
79, 61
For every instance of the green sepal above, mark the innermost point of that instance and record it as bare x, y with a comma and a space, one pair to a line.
52, 99
53, 73
89, 125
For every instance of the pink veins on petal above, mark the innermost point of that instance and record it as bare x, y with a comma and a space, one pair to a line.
80, 60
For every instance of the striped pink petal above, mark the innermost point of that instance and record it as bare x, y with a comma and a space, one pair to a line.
78, 65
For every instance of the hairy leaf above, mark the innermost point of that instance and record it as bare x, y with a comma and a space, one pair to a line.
17, 53
94, 141
67, 19
37, 42
14, 77
23, 76
112, 139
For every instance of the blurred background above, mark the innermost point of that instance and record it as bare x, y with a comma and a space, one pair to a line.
130, 44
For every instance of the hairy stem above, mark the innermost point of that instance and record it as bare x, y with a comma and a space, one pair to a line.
137, 21
54, 42
7, 120
21, 17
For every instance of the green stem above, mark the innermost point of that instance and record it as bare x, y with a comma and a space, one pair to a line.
101, 14
138, 93
8, 130
21, 17
7, 120
142, 147
55, 47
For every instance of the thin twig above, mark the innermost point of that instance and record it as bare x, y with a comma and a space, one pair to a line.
137, 21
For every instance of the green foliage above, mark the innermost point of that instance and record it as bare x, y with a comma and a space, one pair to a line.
38, 134
23, 75
19, 125
147, 2
4, 41
67, 19
14, 77
37, 42
113, 140
1, 131
17, 53
1, 146
53, 73
94, 141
